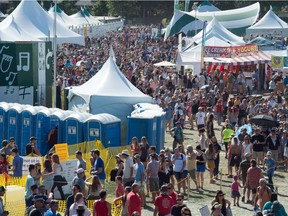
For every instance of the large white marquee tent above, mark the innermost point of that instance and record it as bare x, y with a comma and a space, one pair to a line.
32, 19
109, 91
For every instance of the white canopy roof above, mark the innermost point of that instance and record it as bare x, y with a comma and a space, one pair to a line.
109, 91
164, 64
269, 22
62, 16
234, 18
216, 29
206, 6
33, 19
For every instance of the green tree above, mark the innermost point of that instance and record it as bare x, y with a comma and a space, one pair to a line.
99, 8
123, 8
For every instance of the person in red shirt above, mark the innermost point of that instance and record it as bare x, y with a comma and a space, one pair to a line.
134, 200
163, 203
101, 207
119, 186
172, 193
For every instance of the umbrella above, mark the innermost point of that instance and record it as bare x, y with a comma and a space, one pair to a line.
204, 87
264, 120
164, 64
247, 127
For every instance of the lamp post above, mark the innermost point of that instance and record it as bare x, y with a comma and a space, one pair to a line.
195, 8
54, 54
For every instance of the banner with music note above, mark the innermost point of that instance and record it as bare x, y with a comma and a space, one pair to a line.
17, 94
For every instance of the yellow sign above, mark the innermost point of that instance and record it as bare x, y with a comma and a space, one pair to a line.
62, 151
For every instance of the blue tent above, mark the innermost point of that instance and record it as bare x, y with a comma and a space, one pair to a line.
104, 127
42, 129
4, 107
14, 125
57, 118
73, 128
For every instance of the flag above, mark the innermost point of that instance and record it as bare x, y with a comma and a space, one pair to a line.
176, 5
187, 4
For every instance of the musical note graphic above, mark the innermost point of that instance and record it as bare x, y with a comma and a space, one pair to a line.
5, 63
7, 89
25, 57
12, 91
11, 79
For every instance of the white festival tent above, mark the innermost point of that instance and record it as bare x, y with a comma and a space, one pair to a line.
206, 6
269, 24
109, 91
83, 17
34, 20
216, 29
234, 18
62, 16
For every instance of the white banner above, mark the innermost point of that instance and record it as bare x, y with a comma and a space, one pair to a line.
29, 160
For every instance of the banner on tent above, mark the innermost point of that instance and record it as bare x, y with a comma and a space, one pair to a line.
279, 61
231, 51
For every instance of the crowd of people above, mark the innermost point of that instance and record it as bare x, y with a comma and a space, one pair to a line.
191, 102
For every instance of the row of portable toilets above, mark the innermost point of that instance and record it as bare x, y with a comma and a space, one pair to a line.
23, 121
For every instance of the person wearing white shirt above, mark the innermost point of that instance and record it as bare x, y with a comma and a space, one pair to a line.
200, 118
128, 170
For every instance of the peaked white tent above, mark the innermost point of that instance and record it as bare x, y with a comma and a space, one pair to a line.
108, 91
62, 16
216, 29
34, 20
269, 24
206, 6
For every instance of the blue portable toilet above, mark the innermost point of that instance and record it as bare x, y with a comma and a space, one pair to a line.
160, 127
73, 128
28, 124
4, 107
42, 122
142, 124
14, 125
57, 118
104, 127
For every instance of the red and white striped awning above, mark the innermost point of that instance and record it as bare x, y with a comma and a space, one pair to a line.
256, 58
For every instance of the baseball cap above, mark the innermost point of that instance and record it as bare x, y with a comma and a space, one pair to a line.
80, 170
269, 153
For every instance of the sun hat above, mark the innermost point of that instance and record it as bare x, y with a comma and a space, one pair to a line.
125, 152
80, 170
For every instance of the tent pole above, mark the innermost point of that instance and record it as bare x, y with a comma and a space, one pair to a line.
54, 54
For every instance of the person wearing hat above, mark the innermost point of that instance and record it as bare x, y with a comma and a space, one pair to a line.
263, 194
178, 134
31, 147
224, 203
98, 165
79, 180
37, 209
2, 192
243, 168
270, 164
163, 203
128, 170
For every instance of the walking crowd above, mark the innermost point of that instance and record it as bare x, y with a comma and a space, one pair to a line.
253, 151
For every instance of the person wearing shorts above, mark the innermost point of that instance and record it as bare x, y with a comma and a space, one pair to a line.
243, 168
191, 164
179, 169
152, 175
254, 174
200, 166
